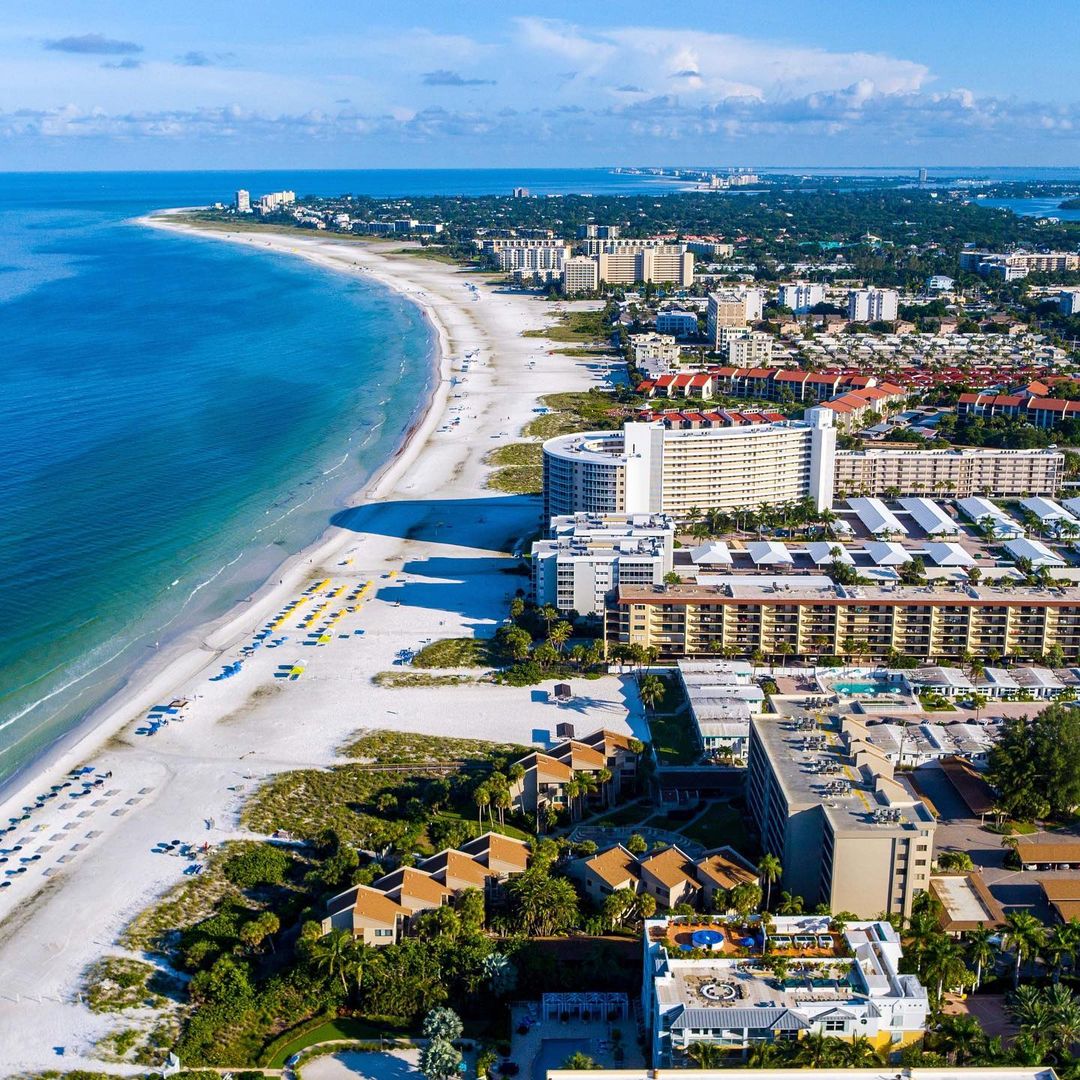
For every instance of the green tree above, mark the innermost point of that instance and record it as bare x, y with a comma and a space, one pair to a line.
770, 869
637, 844
541, 905
260, 864
651, 691
439, 1060
442, 1023
1035, 764
579, 1061
334, 955
981, 951
1025, 936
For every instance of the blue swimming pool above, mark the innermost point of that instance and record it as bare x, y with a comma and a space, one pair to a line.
863, 689
553, 1052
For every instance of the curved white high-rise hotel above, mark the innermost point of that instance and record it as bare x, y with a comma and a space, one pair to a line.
650, 467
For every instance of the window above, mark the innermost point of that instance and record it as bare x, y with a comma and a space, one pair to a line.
384, 933
835, 1025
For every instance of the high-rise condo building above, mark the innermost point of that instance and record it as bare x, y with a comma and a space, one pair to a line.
872, 305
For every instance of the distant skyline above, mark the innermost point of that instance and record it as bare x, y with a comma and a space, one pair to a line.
121, 85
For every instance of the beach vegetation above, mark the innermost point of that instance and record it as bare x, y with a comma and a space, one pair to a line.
581, 410
406, 679
386, 747
119, 983
517, 480
455, 653
579, 326
518, 453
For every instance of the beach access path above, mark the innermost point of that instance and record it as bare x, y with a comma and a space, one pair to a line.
434, 544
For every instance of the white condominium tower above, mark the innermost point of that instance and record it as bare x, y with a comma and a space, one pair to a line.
872, 305
726, 462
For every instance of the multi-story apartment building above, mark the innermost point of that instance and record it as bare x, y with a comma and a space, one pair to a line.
587, 557
826, 803
872, 305
1044, 412
581, 274
655, 354
1069, 301
545, 776
810, 616
801, 296
849, 985
531, 257
788, 384
656, 265
687, 461
681, 324
710, 249
731, 310
958, 472
243, 202
754, 349
1015, 265
598, 232
275, 200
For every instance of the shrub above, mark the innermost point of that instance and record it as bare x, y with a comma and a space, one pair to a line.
263, 864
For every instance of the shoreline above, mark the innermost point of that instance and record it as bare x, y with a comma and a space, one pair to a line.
422, 553
201, 645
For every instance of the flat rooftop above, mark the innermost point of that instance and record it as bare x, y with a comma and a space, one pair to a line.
811, 767
795, 588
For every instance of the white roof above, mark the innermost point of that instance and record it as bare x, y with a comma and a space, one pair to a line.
822, 553
876, 516
887, 553
1046, 510
714, 552
1038, 553
930, 516
769, 553
977, 508
842, 526
1037, 677
949, 555
1072, 505
935, 675
999, 677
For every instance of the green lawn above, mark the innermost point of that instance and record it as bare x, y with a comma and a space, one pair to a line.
721, 824
673, 738
344, 1028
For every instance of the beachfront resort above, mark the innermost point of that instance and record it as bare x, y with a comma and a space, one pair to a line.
663, 704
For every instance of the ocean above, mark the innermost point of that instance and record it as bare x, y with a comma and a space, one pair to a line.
180, 415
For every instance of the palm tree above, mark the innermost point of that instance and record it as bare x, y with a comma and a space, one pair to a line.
981, 951
651, 691
1025, 936
770, 868
784, 650
790, 904
586, 786
334, 954
502, 801
559, 634
1064, 1019
705, 1055
817, 1051
482, 798
763, 1055
1064, 943
858, 1053
959, 1038
945, 964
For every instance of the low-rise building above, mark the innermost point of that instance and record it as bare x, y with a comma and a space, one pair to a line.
723, 696
966, 903
655, 354
844, 983
670, 876
680, 324
383, 912
545, 776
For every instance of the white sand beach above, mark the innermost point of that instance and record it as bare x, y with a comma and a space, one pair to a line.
433, 542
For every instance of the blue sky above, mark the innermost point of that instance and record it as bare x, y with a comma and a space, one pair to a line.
339, 84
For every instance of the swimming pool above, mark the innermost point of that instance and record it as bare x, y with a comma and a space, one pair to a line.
863, 689
553, 1052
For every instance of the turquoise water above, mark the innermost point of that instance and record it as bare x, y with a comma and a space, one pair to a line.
178, 416
863, 689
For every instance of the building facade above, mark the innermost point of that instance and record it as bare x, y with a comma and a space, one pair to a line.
586, 557
658, 467
581, 274
958, 473
808, 618
872, 305
801, 296
848, 834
